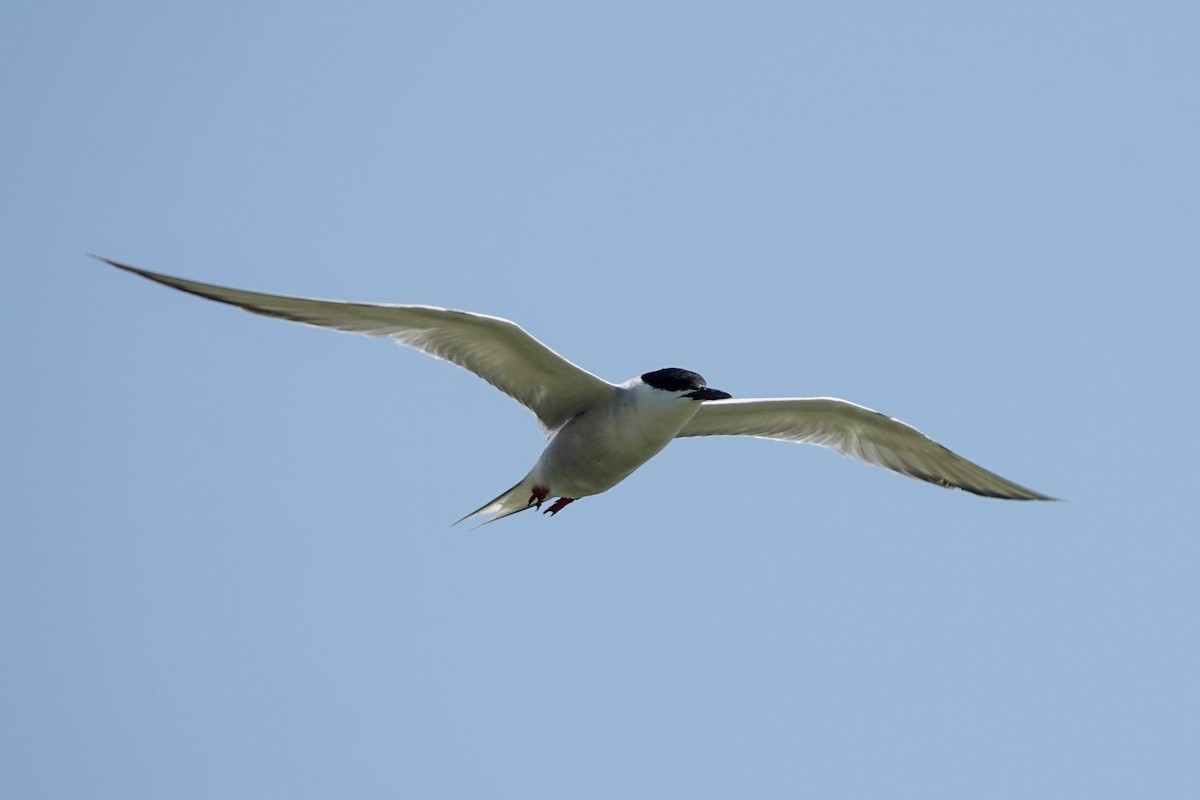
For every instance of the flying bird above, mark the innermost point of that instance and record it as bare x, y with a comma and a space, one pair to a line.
600, 432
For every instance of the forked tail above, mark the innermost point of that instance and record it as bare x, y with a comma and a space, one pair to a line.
509, 503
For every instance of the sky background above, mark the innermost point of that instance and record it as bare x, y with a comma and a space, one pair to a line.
227, 567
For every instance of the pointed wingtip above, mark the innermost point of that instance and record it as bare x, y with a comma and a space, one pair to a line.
117, 264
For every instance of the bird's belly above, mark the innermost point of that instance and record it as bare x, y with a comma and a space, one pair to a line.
591, 456
582, 472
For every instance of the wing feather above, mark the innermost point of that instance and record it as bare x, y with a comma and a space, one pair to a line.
854, 431
497, 350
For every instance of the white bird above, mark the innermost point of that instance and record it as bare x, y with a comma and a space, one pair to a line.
601, 432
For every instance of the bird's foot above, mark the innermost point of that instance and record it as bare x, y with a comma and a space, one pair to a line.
559, 505
540, 493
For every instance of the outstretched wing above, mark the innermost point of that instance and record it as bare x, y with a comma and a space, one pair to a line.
495, 349
853, 431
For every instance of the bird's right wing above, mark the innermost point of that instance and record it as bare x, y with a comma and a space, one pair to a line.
853, 431
495, 349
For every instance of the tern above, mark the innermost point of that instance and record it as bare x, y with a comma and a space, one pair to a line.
600, 432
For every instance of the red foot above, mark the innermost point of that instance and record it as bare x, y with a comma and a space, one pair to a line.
540, 493
559, 505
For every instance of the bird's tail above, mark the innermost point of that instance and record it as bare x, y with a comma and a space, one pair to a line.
509, 503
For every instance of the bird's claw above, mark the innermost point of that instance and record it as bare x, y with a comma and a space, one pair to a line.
559, 505
540, 493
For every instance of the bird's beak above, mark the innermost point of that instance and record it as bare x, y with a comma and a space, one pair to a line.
708, 394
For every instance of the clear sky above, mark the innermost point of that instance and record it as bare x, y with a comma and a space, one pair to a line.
227, 567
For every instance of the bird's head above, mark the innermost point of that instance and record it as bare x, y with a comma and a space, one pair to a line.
682, 383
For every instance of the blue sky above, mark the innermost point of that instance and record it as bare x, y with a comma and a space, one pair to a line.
227, 566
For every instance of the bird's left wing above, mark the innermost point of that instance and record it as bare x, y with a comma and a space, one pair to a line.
853, 431
495, 349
